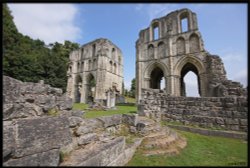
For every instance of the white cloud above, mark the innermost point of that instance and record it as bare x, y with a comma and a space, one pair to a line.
139, 7
155, 10
47, 22
159, 10
231, 57
241, 77
127, 85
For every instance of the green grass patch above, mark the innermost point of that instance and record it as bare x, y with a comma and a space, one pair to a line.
200, 151
120, 109
79, 106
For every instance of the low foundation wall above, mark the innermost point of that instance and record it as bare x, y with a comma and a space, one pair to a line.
229, 113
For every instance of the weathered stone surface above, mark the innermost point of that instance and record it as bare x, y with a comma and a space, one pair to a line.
83, 130
29, 100
8, 139
87, 138
100, 155
127, 155
42, 134
77, 113
206, 115
105, 55
132, 129
47, 158
111, 120
24, 110
130, 119
66, 103
11, 89
243, 122
75, 121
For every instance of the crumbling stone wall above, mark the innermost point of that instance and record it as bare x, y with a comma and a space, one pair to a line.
31, 100
228, 113
31, 137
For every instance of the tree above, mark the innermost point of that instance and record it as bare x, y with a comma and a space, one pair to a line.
132, 89
123, 89
126, 92
31, 60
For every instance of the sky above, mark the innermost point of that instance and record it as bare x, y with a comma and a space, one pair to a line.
223, 27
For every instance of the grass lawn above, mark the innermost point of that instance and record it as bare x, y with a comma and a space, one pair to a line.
121, 109
200, 151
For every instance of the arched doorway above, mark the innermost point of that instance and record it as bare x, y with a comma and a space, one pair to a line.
78, 88
185, 70
156, 77
90, 88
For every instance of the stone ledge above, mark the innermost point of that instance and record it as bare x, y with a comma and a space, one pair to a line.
227, 134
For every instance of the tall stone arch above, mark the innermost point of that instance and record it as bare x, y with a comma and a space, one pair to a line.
156, 68
183, 66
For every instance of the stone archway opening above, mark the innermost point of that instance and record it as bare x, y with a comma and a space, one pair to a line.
91, 83
190, 81
78, 87
156, 79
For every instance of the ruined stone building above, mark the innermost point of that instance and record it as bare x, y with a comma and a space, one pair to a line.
94, 69
166, 50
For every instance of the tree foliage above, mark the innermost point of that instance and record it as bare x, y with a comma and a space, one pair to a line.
132, 89
31, 60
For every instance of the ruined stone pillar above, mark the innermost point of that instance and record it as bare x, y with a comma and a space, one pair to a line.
108, 99
176, 86
84, 94
203, 85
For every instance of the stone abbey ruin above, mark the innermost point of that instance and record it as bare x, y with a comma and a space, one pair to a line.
95, 70
40, 128
176, 52
171, 56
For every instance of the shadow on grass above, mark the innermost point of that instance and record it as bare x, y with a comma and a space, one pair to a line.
125, 104
134, 112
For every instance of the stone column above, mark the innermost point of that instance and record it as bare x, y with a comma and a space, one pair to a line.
84, 91
108, 99
203, 85
112, 99
176, 85
147, 82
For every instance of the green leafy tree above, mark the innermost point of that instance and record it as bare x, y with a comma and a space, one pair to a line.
132, 89
31, 60
123, 89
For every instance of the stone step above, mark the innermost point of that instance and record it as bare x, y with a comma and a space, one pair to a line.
159, 142
174, 149
96, 153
